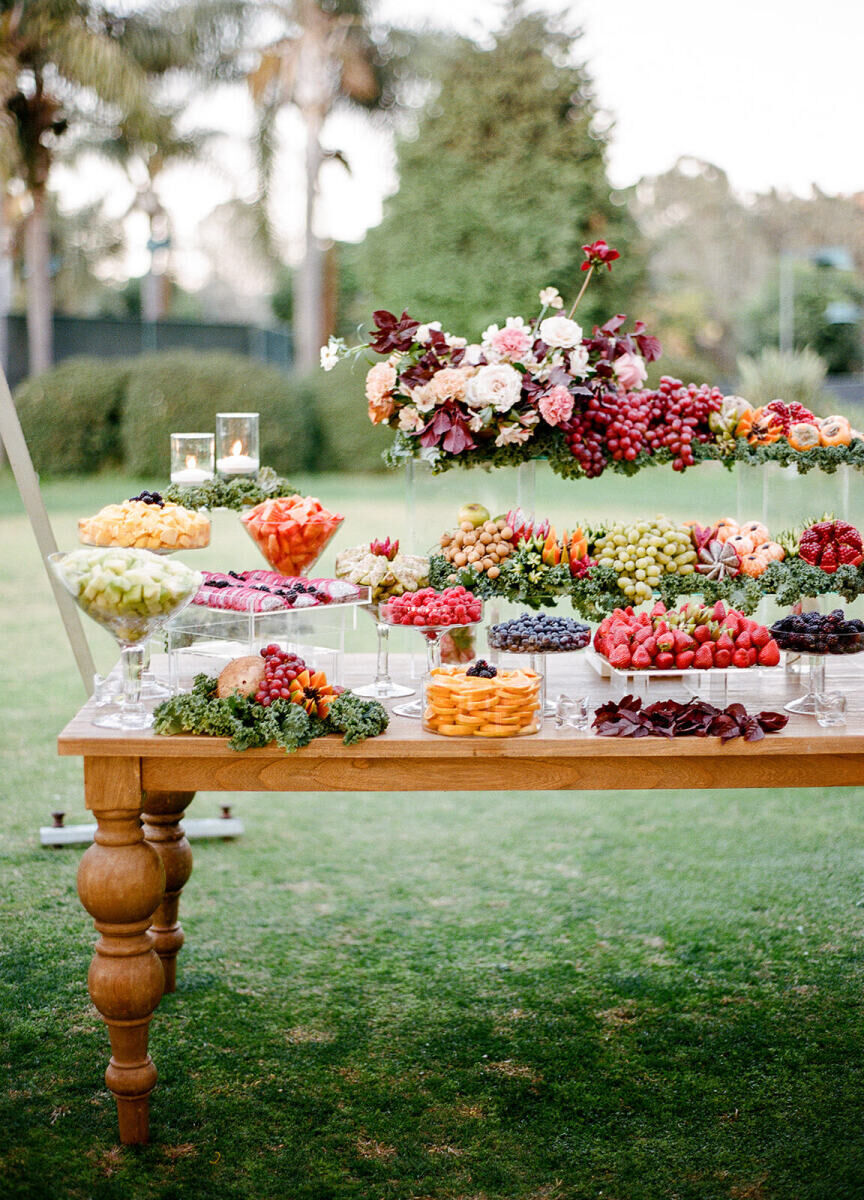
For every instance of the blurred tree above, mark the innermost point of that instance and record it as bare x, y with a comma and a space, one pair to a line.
828, 312
499, 189
328, 55
51, 50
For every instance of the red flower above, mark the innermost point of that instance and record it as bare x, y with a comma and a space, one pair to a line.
597, 254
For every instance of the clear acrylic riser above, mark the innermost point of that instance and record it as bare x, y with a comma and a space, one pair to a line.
717, 685
203, 640
778, 496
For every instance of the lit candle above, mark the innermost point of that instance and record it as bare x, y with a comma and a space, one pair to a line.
237, 463
191, 472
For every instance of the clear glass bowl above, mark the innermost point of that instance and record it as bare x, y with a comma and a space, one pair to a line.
456, 704
291, 548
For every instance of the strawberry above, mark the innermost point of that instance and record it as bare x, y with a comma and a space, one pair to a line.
704, 656
724, 642
719, 611
684, 659
732, 623
752, 655
619, 635
760, 637
741, 658
769, 654
664, 661
620, 657
701, 634
641, 659
665, 642
828, 561
643, 634
722, 658
744, 640
683, 641
650, 645
659, 609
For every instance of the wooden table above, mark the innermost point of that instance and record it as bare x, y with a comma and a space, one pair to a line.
138, 786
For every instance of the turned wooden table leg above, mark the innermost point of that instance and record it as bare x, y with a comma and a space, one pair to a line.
121, 881
162, 829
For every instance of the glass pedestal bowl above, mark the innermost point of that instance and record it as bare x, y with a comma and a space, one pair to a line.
292, 532
432, 635
382, 687
131, 593
816, 645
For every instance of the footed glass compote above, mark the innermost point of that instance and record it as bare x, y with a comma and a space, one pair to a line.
432, 635
131, 593
818, 636
382, 687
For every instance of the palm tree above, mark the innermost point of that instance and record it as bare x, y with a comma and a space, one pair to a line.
326, 57
50, 50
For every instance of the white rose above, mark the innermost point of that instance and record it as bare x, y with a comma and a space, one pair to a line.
579, 362
422, 332
498, 386
455, 343
560, 332
473, 354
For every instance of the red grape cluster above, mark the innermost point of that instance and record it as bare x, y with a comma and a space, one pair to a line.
280, 668
621, 426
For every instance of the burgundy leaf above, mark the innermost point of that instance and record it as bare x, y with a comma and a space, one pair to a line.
772, 722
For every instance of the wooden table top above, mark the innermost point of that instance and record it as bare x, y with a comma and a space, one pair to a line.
407, 757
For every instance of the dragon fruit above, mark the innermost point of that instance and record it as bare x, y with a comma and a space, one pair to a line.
525, 529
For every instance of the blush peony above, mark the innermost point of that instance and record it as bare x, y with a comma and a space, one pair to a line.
630, 370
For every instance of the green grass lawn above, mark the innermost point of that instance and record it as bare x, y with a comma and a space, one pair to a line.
544, 996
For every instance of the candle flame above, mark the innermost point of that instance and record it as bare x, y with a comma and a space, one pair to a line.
191, 461
237, 447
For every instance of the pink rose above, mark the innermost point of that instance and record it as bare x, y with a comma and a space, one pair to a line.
631, 372
511, 343
556, 406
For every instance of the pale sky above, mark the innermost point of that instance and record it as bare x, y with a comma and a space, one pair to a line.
772, 91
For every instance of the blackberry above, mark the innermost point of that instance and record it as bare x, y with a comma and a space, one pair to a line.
482, 670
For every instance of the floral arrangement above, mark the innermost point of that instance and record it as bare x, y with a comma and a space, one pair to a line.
545, 388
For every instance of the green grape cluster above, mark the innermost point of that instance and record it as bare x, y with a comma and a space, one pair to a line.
643, 551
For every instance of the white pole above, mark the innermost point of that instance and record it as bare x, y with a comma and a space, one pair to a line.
12, 436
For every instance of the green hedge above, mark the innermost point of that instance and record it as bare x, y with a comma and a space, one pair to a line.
181, 391
71, 415
347, 440
90, 413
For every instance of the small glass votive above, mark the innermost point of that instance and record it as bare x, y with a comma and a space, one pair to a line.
572, 712
830, 709
107, 690
192, 458
237, 443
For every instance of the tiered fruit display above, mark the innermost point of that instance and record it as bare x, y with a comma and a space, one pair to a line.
453, 606
379, 566
146, 522
464, 702
831, 544
642, 551
693, 637
621, 427
820, 633
539, 633
291, 531
123, 589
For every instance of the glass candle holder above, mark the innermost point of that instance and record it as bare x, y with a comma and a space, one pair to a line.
192, 456
237, 443
572, 712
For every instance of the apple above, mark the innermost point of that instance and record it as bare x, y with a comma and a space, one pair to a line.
477, 514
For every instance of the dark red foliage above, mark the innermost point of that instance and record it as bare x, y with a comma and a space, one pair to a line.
391, 332
669, 718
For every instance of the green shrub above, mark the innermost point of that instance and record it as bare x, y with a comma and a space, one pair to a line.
71, 415
347, 440
181, 391
783, 375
